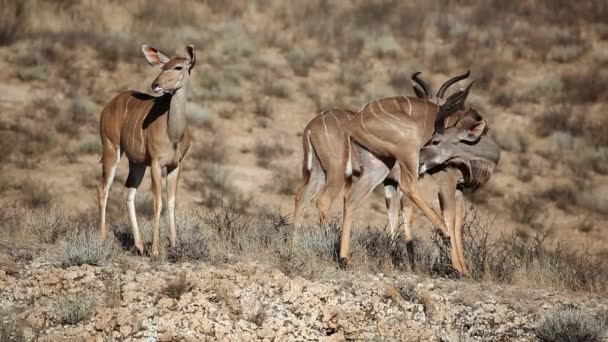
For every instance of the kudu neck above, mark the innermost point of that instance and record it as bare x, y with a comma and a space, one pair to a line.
176, 124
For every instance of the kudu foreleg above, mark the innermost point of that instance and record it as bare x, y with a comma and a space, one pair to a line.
172, 185
156, 171
409, 186
459, 222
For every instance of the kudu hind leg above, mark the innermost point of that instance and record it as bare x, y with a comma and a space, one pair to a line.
314, 179
109, 161
136, 175
334, 183
374, 172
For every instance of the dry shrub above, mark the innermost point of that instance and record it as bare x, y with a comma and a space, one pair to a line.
86, 248
280, 88
177, 287
10, 328
526, 208
527, 261
586, 86
210, 150
15, 20
302, 59
266, 152
217, 191
35, 194
284, 182
74, 309
354, 76
263, 107
570, 324
192, 243
47, 225
559, 119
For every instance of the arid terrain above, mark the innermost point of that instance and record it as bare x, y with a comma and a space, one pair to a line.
536, 238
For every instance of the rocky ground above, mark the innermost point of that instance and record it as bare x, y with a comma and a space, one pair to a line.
148, 301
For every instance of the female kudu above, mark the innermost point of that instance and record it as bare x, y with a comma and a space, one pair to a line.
151, 131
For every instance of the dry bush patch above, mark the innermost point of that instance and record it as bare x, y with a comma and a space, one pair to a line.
47, 225
35, 194
218, 192
15, 21
266, 152
526, 208
177, 287
86, 248
10, 328
570, 324
74, 309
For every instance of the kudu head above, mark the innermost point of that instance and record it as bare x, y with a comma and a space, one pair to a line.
175, 72
464, 143
466, 147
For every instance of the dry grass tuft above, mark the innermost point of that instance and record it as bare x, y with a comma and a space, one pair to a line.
266, 152
86, 248
10, 329
570, 324
35, 194
177, 287
75, 309
15, 21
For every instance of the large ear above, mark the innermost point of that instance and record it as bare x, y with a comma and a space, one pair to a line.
474, 132
191, 56
154, 56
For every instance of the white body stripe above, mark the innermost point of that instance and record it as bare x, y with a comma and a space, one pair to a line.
310, 151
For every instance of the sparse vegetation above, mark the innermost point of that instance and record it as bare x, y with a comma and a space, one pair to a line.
570, 324
90, 145
86, 248
193, 244
266, 152
177, 287
47, 225
526, 208
302, 59
36, 195
10, 330
75, 309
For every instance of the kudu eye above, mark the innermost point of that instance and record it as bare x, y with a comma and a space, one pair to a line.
177, 68
435, 142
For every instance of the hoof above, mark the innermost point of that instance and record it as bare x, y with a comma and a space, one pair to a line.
343, 263
139, 249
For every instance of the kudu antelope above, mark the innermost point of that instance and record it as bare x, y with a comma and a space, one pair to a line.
326, 152
151, 131
326, 155
389, 133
